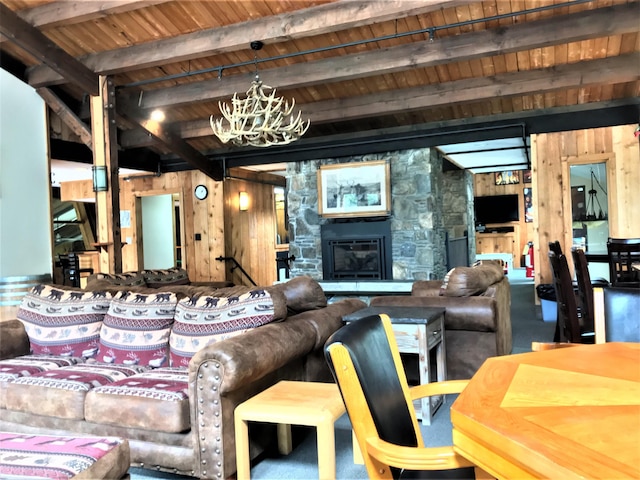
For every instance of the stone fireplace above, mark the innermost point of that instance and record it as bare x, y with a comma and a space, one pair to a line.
356, 250
426, 204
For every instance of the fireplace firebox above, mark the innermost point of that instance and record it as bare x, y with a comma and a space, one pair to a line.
356, 250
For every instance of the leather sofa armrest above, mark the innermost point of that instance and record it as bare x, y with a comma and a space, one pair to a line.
234, 362
15, 341
462, 313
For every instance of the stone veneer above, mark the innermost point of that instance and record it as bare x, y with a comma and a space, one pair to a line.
425, 203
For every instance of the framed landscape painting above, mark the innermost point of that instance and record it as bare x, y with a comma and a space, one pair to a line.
360, 189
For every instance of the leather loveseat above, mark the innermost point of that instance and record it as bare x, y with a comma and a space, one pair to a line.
184, 426
477, 302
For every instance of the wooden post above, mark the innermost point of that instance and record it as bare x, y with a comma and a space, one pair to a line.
105, 153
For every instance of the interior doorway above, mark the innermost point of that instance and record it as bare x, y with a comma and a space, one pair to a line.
158, 227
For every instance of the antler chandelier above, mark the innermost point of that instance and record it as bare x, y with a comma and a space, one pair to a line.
261, 119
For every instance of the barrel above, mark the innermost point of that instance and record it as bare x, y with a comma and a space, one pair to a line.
12, 289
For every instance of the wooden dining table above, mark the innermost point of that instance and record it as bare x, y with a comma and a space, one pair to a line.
564, 414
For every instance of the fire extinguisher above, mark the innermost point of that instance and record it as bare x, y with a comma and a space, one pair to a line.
529, 261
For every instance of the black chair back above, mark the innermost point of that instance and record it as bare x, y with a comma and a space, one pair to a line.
623, 252
568, 324
585, 287
622, 314
366, 342
555, 247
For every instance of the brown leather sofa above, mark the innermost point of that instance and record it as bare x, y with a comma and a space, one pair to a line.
220, 376
477, 302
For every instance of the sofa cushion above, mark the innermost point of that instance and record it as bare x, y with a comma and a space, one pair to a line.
136, 329
467, 281
61, 392
61, 321
127, 279
158, 397
27, 365
46, 456
201, 320
162, 278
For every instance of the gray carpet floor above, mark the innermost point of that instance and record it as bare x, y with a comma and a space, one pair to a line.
301, 463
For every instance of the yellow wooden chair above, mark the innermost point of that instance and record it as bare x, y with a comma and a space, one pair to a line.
366, 364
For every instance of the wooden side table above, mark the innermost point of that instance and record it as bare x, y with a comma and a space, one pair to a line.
418, 330
292, 403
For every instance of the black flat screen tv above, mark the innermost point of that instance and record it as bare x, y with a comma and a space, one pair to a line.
496, 209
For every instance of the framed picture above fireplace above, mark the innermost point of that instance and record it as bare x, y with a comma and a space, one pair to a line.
359, 189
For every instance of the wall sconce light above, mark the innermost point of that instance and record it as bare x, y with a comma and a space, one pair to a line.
99, 173
244, 201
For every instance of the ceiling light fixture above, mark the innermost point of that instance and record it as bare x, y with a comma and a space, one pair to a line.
157, 116
260, 119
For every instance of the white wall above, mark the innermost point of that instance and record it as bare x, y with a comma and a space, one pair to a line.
25, 212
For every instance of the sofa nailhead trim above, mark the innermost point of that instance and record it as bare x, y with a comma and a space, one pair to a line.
205, 365
215, 402
199, 375
203, 450
217, 414
217, 378
204, 462
202, 424
201, 412
217, 365
217, 451
200, 387
202, 438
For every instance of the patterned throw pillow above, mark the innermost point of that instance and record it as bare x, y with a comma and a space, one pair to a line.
136, 329
163, 278
63, 322
201, 320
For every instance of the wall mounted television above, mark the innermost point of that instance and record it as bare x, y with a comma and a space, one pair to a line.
496, 209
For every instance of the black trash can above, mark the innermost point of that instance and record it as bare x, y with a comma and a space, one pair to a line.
548, 302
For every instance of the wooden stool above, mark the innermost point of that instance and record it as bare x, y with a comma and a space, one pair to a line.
292, 403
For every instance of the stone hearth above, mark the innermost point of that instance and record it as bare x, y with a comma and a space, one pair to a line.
426, 203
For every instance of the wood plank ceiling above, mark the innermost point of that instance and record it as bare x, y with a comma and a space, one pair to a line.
368, 74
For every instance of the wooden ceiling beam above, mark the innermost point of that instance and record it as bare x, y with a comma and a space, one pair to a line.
37, 44
326, 18
607, 71
589, 24
603, 71
175, 144
67, 115
60, 13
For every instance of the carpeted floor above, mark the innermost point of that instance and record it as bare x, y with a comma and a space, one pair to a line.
301, 464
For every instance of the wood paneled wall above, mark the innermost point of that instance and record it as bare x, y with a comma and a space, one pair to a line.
552, 154
249, 237
484, 185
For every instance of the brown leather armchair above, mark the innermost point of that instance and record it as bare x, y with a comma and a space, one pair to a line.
477, 302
